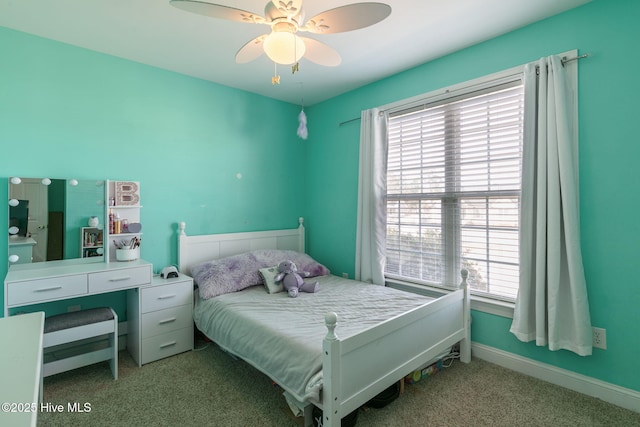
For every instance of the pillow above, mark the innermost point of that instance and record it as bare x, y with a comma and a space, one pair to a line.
303, 261
238, 272
268, 275
226, 275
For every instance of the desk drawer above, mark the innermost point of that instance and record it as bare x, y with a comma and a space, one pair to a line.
32, 291
119, 279
167, 320
166, 345
165, 296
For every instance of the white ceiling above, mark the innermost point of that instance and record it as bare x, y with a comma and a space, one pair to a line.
155, 33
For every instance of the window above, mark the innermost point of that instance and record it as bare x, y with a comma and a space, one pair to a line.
453, 189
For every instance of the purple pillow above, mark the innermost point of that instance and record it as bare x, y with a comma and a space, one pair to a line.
238, 272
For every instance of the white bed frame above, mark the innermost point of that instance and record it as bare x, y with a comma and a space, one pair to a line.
358, 368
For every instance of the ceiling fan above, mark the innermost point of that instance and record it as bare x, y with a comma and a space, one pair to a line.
286, 18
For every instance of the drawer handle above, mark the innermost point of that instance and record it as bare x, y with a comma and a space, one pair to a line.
167, 296
169, 344
120, 279
53, 288
162, 322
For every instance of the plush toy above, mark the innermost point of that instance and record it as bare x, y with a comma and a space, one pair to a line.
292, 279
302, 125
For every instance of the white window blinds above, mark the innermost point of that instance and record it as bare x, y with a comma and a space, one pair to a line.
453, 190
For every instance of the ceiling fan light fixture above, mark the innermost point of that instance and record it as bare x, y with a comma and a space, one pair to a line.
286, 18
284, 47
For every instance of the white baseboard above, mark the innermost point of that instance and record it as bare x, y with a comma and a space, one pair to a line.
619, 396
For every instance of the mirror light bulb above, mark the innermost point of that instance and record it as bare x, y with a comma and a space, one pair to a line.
73, 182
46, 181
13, 258
16, 180
13, 230
14, 202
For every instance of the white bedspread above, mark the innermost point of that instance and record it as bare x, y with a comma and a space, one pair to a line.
282, 336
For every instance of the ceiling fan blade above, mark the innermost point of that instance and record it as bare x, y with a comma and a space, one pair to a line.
321, 53
218, 11
347, 18
251, 50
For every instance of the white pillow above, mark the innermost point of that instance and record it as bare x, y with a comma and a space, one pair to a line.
268, 278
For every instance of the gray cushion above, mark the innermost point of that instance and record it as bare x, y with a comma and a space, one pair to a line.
77, 318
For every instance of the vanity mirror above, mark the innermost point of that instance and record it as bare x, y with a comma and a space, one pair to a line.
55, 219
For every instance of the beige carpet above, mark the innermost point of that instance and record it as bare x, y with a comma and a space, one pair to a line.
208, 388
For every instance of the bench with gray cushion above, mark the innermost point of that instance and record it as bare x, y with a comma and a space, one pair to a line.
79, 325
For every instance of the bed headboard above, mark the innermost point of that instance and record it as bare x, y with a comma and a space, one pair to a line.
195, 249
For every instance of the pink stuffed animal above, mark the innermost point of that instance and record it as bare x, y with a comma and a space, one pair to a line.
292, 279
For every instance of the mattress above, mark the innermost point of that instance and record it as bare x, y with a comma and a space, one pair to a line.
282, 336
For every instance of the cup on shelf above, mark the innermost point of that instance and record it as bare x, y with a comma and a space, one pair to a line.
93, 221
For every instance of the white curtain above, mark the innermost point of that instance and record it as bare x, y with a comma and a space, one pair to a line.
372, 187
552, 306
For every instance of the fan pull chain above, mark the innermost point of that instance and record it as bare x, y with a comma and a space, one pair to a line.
275, 80
295, 67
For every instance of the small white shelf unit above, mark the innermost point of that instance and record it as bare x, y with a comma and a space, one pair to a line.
91, 242
126, 213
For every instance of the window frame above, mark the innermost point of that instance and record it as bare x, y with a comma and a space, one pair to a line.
493, 304
481, 303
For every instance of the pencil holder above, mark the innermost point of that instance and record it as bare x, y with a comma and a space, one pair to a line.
127, 254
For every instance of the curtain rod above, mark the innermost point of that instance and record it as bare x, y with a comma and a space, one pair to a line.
348, 121
575, 58
564, 61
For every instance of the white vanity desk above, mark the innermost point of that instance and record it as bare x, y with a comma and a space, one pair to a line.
54, 281
58, 280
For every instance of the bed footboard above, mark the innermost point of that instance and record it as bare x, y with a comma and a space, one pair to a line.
357, 368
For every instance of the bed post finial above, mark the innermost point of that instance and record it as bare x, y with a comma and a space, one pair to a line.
464, 273
465, 343
181, 226
330, 320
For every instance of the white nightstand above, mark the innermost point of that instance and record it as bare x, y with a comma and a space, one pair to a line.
162, 319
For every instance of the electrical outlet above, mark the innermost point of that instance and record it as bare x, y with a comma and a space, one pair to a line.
600, 338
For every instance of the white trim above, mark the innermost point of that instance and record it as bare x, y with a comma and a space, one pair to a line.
479, 83
492, 306
611, 393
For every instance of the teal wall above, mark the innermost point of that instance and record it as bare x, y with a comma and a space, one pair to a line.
609, 153
67, 111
